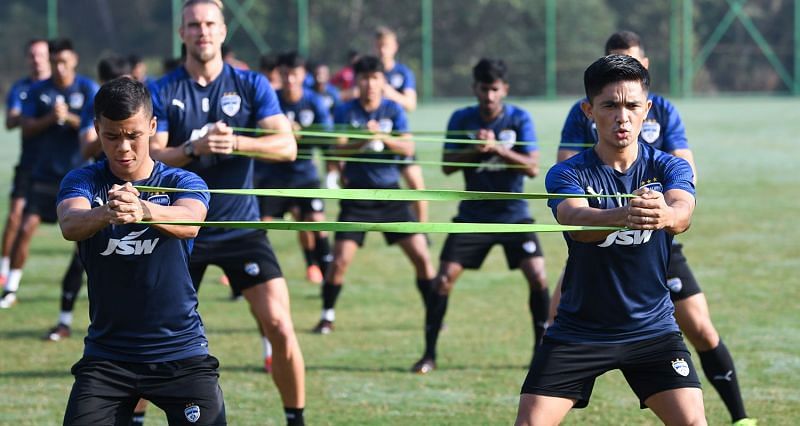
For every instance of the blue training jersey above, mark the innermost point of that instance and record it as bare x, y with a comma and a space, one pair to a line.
142, 304
17, 96
513, 125
240, 99
391, 118
400, 77
663, 128
58, 149
308, 112
615, 290
330, 97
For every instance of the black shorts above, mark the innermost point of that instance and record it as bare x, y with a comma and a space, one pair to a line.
470, 250
105, 392
375, 212
568, 370
41, 201
277, 207
246, 261
680, 278
22, 182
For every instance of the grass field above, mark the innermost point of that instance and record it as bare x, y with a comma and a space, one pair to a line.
743, 247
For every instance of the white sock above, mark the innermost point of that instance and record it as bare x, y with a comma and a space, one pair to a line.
65, 318
329, 315
5, 265
14, 277
267, 347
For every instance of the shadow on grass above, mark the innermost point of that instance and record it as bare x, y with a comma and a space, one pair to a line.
27, 333
35, 374
376, 369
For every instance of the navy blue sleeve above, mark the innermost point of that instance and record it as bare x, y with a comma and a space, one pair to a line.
677, 174
189, 180
33, 107
159, 109
400, 120
561, 179
453, 125
409, 82
87, 116
265, 99
527, 133
13, 101
321, 115
574, 130
675, 132
340, 114
77, 183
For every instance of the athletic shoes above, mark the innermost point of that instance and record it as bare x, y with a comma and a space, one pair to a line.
268, 364
746, 422
314, 274
424, 366
323, 327
8, 299
57, 333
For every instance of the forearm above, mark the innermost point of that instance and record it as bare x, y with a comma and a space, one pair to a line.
277, 147
34, 126
13, 119
589, 216
173, 213
81, 224
90, 144
73, 120
682, 217
468, 155
172, 156
530, 162
400, 145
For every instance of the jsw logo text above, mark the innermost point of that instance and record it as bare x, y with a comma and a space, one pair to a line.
627, 238
130, 246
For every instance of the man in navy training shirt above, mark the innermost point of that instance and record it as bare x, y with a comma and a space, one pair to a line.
664, 130
384, 119
146, 338
500, 126
615, 311
51, 118
197, 105
38, 62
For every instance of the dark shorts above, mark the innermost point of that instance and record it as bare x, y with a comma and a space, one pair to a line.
277, 207
470, 250
246, 261
568, 370
374, 212
41, 201
680, 278
22, 182
105, 392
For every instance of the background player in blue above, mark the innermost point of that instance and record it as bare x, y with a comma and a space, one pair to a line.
323, 87
51, 118
38, 63
146, 338
664, 130
500, 125
615, 312
197, 105
385, 119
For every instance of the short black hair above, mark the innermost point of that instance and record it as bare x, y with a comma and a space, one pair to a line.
59, 45
134, 60
268, 62
122, 98
612, 69
624, 40
490, 70
291, 59
367, 64
113, 67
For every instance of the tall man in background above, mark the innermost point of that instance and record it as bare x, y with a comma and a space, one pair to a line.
663, 129
37, 60
51, 118
197, 106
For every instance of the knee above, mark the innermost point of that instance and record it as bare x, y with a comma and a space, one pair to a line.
443, 285
702, 334
279, 330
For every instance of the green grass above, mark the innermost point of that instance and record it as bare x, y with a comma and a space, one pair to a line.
743, 247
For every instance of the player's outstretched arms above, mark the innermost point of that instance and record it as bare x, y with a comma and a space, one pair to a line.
125, 200
401, 144
576, 211
279, 146
530, 160
671, 211
79, 221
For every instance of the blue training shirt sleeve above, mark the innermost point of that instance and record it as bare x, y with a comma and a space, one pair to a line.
561, 179
13, 101
322, 115
574, 130
675, 132
189, 180
30, 108
527, 133
453, 125
87, 116
400, 120
677, 174
76, 183
409, 82
159, 109
265, 99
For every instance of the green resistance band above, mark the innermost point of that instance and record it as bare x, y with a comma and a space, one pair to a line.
385, 194
399, 227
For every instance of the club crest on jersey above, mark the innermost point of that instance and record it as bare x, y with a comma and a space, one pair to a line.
230, 103
252, 269
192, 413
385, 125
23, 95
397, 80
652, 184
507, 138
681, 367
160, 199
305, 117
76, 100
651, 130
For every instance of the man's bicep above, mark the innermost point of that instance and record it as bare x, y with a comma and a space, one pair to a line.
77, 203
197, 207
568, 206
159, 141
277, 122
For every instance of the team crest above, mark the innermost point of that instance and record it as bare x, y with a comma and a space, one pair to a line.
252, 269
230, 103
385, 124
305, 117
653, 185
675, 284
76, 100
354, 123
507, 137
192, 413
651, 130
681, 367
397, 80
290, 115
160, 199
529, 247
23, 96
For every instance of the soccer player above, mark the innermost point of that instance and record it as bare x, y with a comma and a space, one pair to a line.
499, 126
268, 65
139, 70
107, 70
304, 109
197, 105
383, 118
146, 338
664, 130
615, 311
38, 62
51, 119
323, 87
